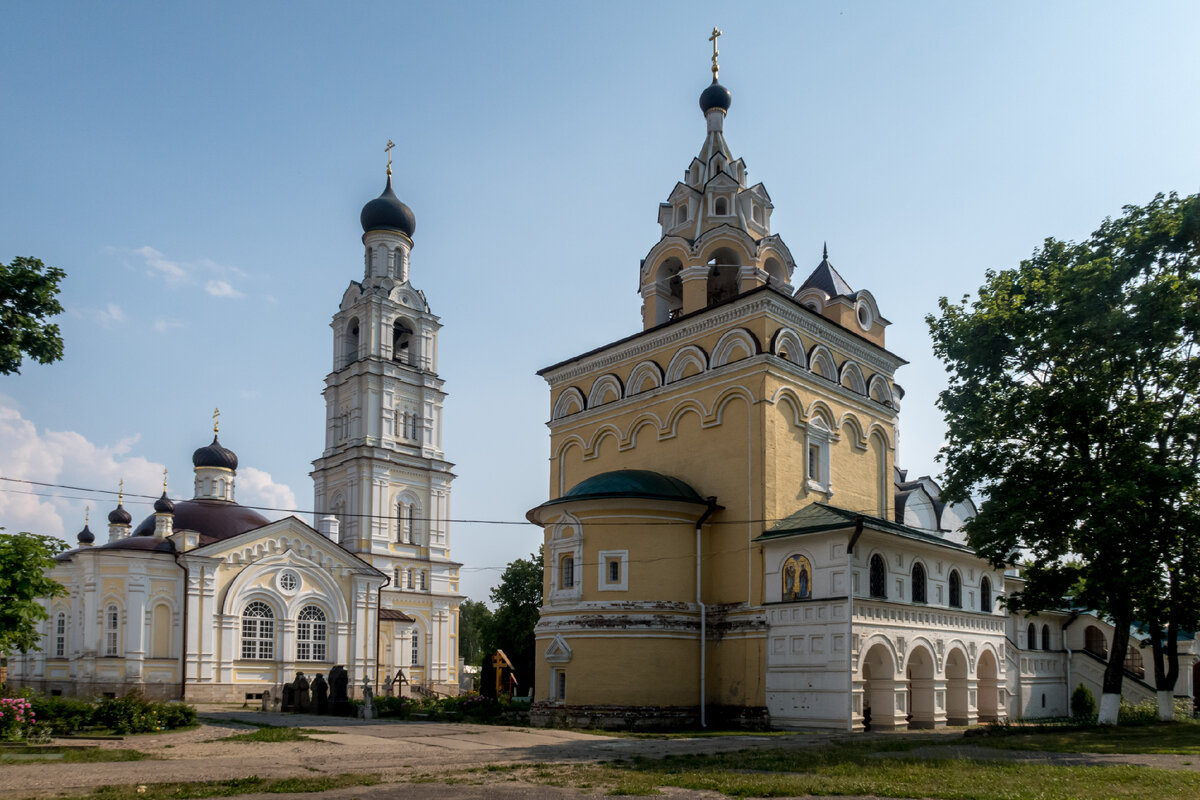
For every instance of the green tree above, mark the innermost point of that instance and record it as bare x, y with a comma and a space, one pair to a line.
1072, 409
24, 560
28, 298
474, 622
518, 599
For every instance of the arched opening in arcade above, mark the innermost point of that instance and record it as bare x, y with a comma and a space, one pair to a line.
921, 696
988, 687
958, 694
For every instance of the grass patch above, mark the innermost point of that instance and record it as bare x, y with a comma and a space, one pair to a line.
856, 768
705, 733
229, 788
1180, 738
71, 755
271, 733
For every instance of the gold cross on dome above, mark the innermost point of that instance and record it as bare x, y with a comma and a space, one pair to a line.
388, 150
164, 480
716, 32
121, 491
216, 419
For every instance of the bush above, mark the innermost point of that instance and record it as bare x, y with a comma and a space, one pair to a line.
1083, 704
17, 719
63, 714
132, 713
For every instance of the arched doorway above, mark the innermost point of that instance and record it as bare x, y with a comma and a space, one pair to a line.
922, 706
882, 709
989, 687
958, 700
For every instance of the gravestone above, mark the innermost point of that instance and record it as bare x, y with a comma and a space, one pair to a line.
339, 702
368, 706
302, 696
289, 698
266, 700
320, 694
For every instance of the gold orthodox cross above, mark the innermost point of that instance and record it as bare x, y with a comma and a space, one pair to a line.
164, 480
216, 419
716, 32
388, 150
121, 491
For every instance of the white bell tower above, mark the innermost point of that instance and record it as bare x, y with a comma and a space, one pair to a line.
383, 474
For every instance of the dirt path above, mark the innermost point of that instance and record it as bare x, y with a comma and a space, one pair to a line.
401, 751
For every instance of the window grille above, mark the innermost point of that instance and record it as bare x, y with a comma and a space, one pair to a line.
310, 634
258, 631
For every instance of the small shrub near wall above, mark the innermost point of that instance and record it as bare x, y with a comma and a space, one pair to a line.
132, 713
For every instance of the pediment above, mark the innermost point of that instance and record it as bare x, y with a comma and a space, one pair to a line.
722, 180
558, 651
288, 541
352, 294
681, 191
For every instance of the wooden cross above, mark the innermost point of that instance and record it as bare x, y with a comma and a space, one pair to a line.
388, 150
716, 32
216, 419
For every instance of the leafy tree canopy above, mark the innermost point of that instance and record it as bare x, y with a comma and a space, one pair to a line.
24, 561
1073, 408
474, 621
518, 599
28, 298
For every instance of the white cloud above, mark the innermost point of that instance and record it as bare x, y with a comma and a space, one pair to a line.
110, 315
218, 288
163, 325
66, 458
172, 271
258, 488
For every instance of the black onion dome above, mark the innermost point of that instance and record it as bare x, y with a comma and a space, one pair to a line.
164, 505
85, 536
387, 213
715, 96
214, 455
119, 516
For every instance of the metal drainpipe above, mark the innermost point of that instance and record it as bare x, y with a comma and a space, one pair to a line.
708, 512
183, 649
1074, 616
378, 605
858, 531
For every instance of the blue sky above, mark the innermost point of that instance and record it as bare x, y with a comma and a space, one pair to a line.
198, 169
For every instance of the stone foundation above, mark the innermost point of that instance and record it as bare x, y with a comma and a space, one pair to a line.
646, 718
89, 690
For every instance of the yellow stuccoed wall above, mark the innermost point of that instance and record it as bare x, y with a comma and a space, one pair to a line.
736, 432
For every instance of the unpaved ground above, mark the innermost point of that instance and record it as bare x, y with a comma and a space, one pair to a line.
401, 751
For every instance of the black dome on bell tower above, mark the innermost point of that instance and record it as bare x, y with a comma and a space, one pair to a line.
715, 96
387, 213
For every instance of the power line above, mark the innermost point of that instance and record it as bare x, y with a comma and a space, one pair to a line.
146, 499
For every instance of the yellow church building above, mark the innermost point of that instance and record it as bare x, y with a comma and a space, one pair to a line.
727, 536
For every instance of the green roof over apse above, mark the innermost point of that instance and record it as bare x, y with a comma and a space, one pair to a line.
640, 483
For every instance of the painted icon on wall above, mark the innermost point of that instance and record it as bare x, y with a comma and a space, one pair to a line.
797, 578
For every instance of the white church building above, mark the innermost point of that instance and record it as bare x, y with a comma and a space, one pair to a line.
207, 600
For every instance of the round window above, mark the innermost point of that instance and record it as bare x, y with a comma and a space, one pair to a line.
864, 316
289, 581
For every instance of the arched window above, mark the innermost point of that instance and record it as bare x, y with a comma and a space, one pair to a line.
721, 207
681, 214
112, 635
350, 349
416, 649
918, 583
401, 343
258, 631
1031, 637
1133, 660
757, 213
878, 577
310, 634
568, 572
424, 580
985, 595
60, 635
1045, 637
1094, 641
955, 589
408, 583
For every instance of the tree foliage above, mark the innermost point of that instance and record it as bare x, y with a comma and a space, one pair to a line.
518, 599
28, 298
24, 560
1073, 408
474, 622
